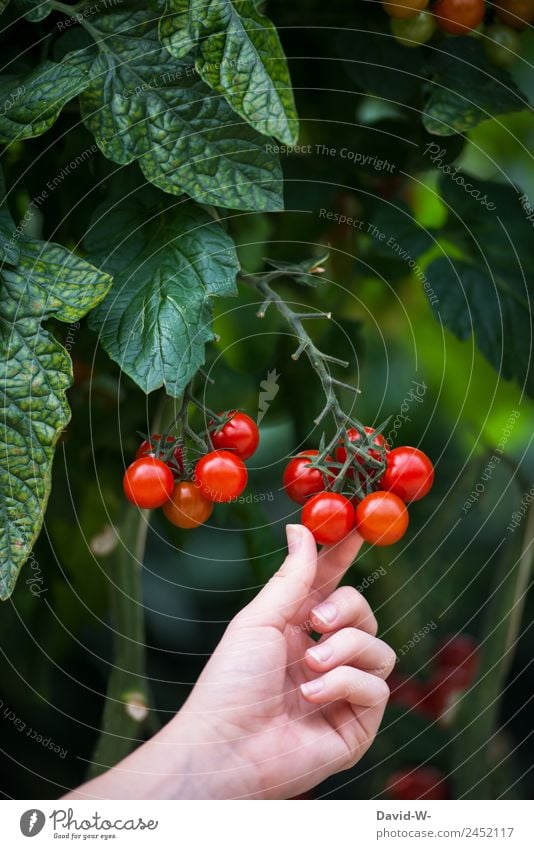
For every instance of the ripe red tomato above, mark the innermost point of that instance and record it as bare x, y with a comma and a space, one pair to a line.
148, 482
459, 653
404, 8
240, 434
409, 474
442, 691
382, 518
301, 480
354, 436
516, 13
405, 692
221, 475
149, 447
459, 16
187, 507
423, 782
329, 516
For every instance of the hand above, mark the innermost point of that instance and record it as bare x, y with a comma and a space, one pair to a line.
274, 712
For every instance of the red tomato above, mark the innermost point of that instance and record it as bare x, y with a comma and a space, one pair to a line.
150, 447
240, 434
459, 16
329, 516
148, 482
354, 436
516, 13
187, 507
405, 692
460, 653
301, 480
221, 475
382, 518
442, 691
409, 474
423, 782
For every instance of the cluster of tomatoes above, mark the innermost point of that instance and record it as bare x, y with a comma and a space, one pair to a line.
455, 667
159, 476
381, 517
413, 23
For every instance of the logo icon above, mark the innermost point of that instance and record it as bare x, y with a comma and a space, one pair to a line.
269, 390
32, 822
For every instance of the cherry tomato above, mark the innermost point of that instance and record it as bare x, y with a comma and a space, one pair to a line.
148, 482
459, 16
354, 436
240, 434
502, 45
149, 447
221, 475
382, 518
516, 13
329, 516
409, 474
460, 653
300, 479
405, 692
442, 692
423, 782
187, 507
411, 32
404, 8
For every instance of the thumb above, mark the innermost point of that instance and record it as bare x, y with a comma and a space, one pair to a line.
282, 597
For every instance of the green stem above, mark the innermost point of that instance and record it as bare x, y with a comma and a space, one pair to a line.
476, 722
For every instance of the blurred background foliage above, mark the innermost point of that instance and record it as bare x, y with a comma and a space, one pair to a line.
56, 642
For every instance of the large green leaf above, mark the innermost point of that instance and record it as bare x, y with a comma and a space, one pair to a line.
487, 288
32, 102
143, 105
239, 55
9, 247
36, 370
35, 10
465, 89
167, 265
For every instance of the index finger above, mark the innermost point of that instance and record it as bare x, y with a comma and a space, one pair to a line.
333, 562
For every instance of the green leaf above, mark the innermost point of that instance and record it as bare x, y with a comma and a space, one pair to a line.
32, 102
36, 370
397, 233
240, 56
9, 248
142, 105
469, 299
465, 89
167, 265
34, 10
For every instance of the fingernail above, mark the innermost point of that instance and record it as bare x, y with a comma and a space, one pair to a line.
320, 652
326, 612
311, 688
294, 538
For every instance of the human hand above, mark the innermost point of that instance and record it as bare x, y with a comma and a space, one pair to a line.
274, 713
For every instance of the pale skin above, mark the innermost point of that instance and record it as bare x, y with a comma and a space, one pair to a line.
274, 712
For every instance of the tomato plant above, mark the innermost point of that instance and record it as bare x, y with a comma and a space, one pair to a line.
187, 506
301, 479
221, 475
459, 16
409, 474
239, 434
148, 482
382, 518
329, 516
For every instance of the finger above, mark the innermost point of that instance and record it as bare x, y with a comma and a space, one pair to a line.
334, 560
346, 684
354, 647
346, 607
286, 591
